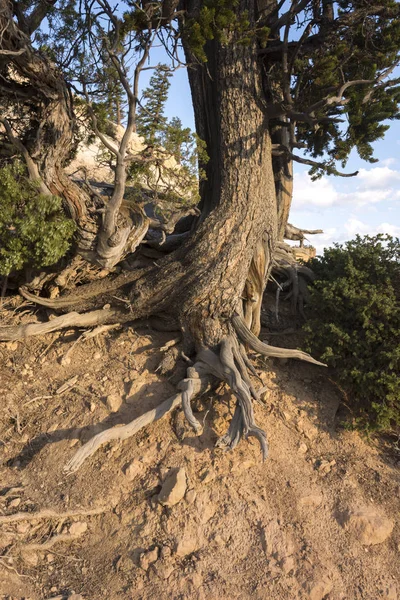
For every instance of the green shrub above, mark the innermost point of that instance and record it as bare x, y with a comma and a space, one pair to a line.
34, 230
355, 325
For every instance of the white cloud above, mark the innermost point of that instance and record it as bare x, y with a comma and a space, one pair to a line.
368, 188
349, 230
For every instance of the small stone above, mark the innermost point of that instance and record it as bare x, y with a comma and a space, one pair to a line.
368, 525
207, 476
312, 500
132, 469
23, 527
390, 592
162, 570
92, 407
50, 558
113, 402
165, 552
78, 528
97, 355
14, 503
243, 466
325, 466
30, 557
75, 597
11, 346
302, 448
186, 545
174, 487
318, 590
148, 558
191, 496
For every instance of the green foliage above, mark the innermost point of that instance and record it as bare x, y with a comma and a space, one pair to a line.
355, 325
151, 122
33, 228
216, 20
170, 162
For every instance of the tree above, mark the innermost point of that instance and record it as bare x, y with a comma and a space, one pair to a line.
266, 79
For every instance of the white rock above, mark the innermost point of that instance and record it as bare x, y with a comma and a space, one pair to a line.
312, 500
186, 545
174, 487
148, 558
368, 525
113, 402
78, 528
132, 469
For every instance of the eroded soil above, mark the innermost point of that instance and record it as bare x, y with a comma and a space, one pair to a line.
244, 530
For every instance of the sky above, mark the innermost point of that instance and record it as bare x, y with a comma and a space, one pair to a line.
343, 207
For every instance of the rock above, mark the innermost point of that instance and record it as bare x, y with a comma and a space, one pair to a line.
14, 503
207, 476
78, 528
318, 590
287, 564
162, 569
75, 597
174, 487
190, 496
132, 469
368, 525
243, 466
165, 552
148, 558
306, 428
326, 466
390, 592
186, 545
30, 557
113, 402
313, 500
302, 448
97, 356
11, 346
50, 558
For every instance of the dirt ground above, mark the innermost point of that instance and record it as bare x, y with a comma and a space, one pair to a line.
318, 520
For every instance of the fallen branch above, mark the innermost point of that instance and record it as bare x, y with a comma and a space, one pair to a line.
72, 319
52, 514
56, 539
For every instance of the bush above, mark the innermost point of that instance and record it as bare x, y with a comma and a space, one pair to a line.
34, 230
355, 325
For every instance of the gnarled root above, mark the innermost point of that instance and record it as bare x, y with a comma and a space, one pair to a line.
243, 422
72, 319
270, 351
194, 386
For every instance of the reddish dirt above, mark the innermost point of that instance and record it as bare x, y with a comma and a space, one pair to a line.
244, 530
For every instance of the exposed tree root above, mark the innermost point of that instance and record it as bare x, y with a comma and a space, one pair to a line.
52, 515
224, 368
121, 432
270, 351
85, 292
72, 319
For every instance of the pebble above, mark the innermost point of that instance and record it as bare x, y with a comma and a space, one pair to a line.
148, 558
302, 448
186, 545
132, 469
14, 503
174, 487
113, 402
191, 496
368, 525
78, 528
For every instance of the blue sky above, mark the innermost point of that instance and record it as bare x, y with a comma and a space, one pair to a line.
366, 204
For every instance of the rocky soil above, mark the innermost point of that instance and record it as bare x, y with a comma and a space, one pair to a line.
165, 515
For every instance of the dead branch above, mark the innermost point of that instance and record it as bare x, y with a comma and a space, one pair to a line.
72, 319
52, 514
